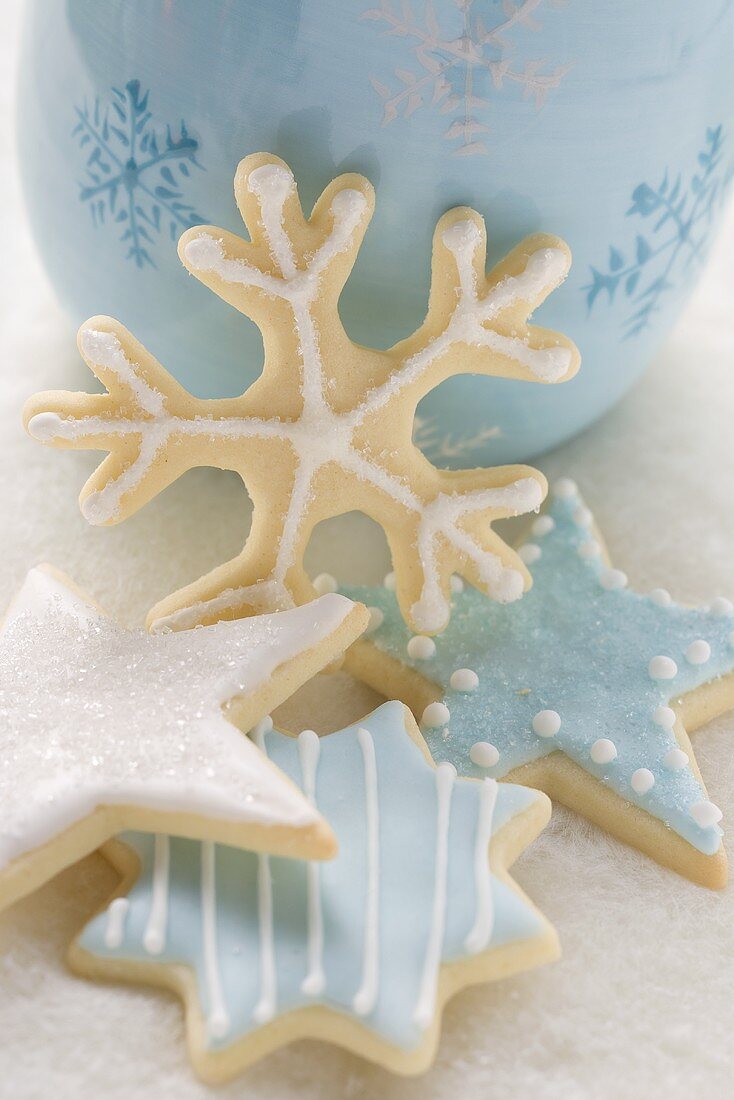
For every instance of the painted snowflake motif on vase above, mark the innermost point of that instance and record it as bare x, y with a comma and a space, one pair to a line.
678, 215
457, 61
135, 179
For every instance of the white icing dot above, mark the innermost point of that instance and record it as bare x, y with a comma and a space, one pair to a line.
665, 717
721, 607
325, 583
435, 715
389, 581
483, 754
457, 584
565, 488
675, 759
464, 679
698, 652
612, 579
662, 668
509, 587
582, 517
661, 597
705, 814
543, 525
529, 553
589, 549
377, 617
547, 723
421, 648
44, 426
603, 751
642, 781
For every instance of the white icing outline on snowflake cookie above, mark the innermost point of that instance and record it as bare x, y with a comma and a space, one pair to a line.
344, 420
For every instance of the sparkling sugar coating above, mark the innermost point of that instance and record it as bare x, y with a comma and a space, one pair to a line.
92, 714
586, 652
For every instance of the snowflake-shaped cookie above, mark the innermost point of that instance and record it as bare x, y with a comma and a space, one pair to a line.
103, 728
363, 951
586, 690
326, 429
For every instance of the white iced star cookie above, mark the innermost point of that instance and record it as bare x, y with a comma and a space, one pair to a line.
103, 729
326, 428
362, 951
587, 689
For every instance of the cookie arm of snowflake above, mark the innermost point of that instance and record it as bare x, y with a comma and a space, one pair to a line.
134, 420
477, 323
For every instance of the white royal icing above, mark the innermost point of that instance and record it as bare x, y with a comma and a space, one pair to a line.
116, 918
483, 754
464, 679
435, 715
218, 1018
265, 1008
642, 780
547, 723
366, 995
603, 751
154, 938
481, 933
97, 715
309, 748
421, 648
663, 668
426, 1003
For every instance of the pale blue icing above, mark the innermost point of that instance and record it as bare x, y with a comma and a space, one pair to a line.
582, 651
407, 797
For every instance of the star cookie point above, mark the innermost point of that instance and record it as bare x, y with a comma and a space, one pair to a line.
586, 689
103, 728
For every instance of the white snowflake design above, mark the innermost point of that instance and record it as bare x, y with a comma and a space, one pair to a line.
452, 74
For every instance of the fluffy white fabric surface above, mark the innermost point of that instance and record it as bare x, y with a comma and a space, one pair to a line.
641, 1004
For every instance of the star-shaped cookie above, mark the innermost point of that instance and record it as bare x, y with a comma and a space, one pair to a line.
585, 689
103, 728
362, 951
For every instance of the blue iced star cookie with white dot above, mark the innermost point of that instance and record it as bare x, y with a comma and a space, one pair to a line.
584, 688
362, 950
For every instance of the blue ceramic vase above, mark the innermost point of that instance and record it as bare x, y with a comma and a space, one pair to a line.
611, 125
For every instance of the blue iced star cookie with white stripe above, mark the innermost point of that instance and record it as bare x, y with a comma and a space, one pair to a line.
584, 688
363, 950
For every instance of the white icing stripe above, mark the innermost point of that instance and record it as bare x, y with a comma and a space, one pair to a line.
264, 1010
103, 349
426, 1002
218, 1022
366, 996
116, 919
154, 939
309, 747
481, 932
273, 184
267, 1004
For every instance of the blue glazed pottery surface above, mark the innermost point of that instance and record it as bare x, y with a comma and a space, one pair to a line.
610, 125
